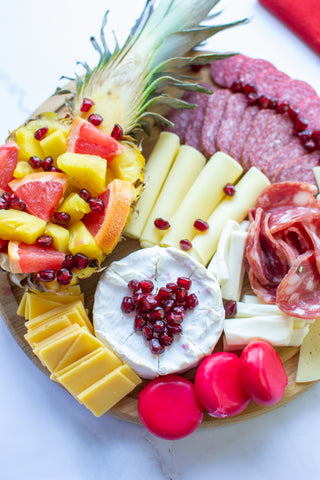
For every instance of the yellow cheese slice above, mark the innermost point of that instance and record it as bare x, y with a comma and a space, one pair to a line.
187, 166
236, 207
156, 171
202, 198
52, 338
88, 370
36, 305
22, 305
309, 357
46, 329
108, 391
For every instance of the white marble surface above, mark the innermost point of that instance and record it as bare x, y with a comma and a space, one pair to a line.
45, 434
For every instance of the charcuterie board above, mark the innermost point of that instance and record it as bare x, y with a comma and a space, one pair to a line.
127, 408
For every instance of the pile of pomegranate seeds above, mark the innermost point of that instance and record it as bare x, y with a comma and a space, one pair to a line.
8, 200
159, 316
63, 276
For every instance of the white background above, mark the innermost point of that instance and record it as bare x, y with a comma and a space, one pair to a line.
45, 434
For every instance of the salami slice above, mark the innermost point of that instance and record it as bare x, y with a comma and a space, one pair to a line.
267, 293
254, 252
242, 132
287, 194
268, 81
233, 68
294, 92
310, 109
212, 118
258, 125
290, 152
231, 119
252, 68
299, 169
276, 134
217, 69
299, 292
194, 127
181, 117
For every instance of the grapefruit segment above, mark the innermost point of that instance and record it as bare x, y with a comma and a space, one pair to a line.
106, 226
41, 192
8, 162
25, 258
87, 139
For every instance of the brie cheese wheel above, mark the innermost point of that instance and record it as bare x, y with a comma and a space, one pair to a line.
202, 327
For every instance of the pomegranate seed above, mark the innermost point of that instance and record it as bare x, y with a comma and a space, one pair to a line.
155, 346
55, 169
181, 295
201, 225
273, 104
17, 204
3, 204
137, 298
237, 87
64, 276
250, 88
139, 323
117, 132
283, 107
252, 98
174, 319
300, 124
96, 205
172, 286
168, 305
156, 314
86, 105
293, 112
41, 133
230, 308
179, 310
146, 286
161, 224
95, 119
196, 68
192, 301
47, 164
68, 262
304, 136
44, 241
165, 339
184, 282
46, 275
310, 145
62, 218
164, 293
229, 189
134, 285
185, 245
316, 134
35, 162
6, 197
158, 326
147, 332
85, 195
80, 261
149, 302
175, 329
264, 101
127, 305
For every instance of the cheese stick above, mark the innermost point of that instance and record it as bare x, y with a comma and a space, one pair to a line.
156, 171
236, 207
231, 289
202, 198
218, 265
187, 166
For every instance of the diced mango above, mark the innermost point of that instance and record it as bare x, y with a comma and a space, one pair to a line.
90, 171
60, 236
20, 226
28, 145
81, 241
54, 145
75, 206
22, 169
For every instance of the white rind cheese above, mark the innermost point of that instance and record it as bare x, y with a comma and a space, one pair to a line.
202, 327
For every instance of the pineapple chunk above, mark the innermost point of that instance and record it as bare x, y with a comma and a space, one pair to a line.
20, 226
89, 171
54, 145
22, 169
81, 241
75, 206
28, 145
60, 236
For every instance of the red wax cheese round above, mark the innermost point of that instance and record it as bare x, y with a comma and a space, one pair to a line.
218, 385
262, 373
168, 407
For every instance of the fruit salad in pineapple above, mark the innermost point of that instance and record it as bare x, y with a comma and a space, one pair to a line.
68, 183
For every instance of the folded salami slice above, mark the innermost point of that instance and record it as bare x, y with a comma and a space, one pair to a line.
268, 81
285, 155
252, 68
242, 132
212, 118
299, 292
294, 91
299, 169
231, 119
310, 109
258, 125
254, 252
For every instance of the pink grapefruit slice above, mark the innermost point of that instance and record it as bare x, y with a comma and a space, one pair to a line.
8, 162
25, 258
85, 138
106, 226
41, 192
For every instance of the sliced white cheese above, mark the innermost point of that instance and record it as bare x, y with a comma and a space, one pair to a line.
232, 288
298, 336
256, 309
251, 299
309, 358
219, 263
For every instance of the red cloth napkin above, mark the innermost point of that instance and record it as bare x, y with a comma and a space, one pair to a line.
302, 16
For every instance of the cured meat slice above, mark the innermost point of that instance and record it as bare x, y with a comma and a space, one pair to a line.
267, 293
276, 134
181, 117
268, 81
299, 169
287, 194
294, 92
258, 125
242, 132
310, 109
233, 68
212, 118
293, 150
254, 253
231, 119
299, 292
194, 127
217, 69
313, 230
252, 68
296, 238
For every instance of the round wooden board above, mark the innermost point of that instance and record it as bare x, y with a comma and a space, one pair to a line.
126, 409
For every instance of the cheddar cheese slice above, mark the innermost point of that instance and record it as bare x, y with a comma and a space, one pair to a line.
46, 329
